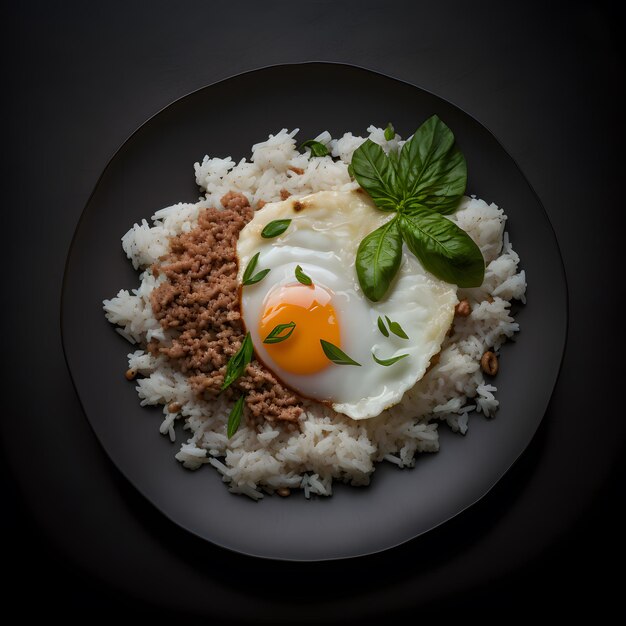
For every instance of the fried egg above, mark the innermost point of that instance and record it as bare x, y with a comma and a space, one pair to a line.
322, 238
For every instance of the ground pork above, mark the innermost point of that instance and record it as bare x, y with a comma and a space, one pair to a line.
200, 301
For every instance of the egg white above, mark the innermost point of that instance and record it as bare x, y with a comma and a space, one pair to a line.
323, 238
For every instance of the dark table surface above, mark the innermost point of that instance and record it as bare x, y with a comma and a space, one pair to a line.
548, 83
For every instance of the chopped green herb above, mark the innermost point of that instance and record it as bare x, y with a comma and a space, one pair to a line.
388, 362
337, 356
390, 133
258, 277
276, 335
250, 267
396, 329
234, 418
238, 362
317, 148
247, 278
381, 327
302, 277
275, 228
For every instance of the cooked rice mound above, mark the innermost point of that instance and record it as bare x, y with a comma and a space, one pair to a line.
265, 456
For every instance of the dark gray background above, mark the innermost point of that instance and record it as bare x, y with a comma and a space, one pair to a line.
547, 80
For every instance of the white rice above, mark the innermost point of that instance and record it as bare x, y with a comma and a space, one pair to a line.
328, 445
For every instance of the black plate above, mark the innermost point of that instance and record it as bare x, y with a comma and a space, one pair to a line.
153, 169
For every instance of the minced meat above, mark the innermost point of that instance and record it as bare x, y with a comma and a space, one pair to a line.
200, 300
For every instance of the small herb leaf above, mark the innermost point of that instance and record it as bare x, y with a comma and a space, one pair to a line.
259, 276
350, 170
443, 248
276, 335
431, 169
396, 329
234, 418
238, 362
381, 327
250, 268
275, 228
334, 354
388, 362
302, 277
378, 259
317, 148
390, 133
377, 175
247, 278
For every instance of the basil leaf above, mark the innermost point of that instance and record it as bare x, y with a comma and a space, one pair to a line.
381, 327
237, 363
388, 362
394, 157
234, 419
390, 133
377, 175
317, 149
302, 277
275, 228
259, 276
275, 335
396, 329
378, 259
350, 170
443, 248
431, 169
334, 354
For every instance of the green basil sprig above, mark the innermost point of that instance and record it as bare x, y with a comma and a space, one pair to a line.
276, 334
238, 362
421, 183
234, 418
317, 148
275, 228
337, 356
390, 133
248, 278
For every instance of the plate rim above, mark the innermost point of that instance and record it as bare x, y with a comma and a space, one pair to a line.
139, 490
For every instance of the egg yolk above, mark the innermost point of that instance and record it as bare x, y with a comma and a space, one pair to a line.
310, 308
